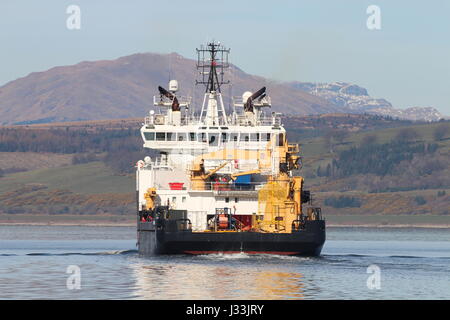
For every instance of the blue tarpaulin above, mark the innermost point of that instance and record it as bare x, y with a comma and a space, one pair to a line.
245, 179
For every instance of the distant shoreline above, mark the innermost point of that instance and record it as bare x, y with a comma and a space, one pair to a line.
90, 224
58, 224
437, 222
67, 220
426, 226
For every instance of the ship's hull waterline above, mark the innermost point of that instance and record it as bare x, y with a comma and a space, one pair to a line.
307, 242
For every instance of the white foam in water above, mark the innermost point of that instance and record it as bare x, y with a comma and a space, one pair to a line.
226, 256
259, 256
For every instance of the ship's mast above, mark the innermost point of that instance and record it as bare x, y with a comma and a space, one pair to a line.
212, 62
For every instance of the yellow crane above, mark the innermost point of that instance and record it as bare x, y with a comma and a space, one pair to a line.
199, 176
244, 173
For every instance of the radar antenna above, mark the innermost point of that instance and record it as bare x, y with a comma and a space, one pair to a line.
212, 63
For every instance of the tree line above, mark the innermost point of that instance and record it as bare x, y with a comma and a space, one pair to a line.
378, 159
68, 141
117, 148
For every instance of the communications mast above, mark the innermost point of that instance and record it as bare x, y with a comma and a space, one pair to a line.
212, 62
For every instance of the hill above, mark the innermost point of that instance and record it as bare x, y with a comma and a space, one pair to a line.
124, 88
403, 170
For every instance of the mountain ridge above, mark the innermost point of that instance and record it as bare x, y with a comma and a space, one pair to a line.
124, 88
355, 99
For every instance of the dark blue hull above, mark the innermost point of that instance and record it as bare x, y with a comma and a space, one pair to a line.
154, 240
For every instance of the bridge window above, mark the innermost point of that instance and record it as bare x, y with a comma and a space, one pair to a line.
201, 137
171, 136
234, 137
265, 137
213, 139
245, 137
160, 136
150, 136
224, 137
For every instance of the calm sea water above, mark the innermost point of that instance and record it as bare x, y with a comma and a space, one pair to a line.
413, 264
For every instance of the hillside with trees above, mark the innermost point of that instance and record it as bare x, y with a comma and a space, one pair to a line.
354, 164
360, 171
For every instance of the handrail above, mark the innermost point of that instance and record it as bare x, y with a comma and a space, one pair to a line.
160, 119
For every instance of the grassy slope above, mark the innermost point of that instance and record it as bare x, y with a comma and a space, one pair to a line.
90, 178
9, 160
83, 188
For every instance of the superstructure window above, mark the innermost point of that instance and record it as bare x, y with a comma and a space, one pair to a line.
265, 137
254, 136
213, 139
171, 136
201, 137
192, 136
150, 136
224, 137
160, 136
181, 136
245, 137
280, 139
234, 137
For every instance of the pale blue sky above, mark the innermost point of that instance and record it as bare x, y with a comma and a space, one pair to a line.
407, 61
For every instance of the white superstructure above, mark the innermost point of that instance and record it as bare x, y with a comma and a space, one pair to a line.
211, 160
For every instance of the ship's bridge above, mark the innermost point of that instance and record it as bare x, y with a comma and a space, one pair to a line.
171, 139
173, 128
246, 139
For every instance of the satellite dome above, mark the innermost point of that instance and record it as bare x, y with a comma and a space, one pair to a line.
246, 95
173, 85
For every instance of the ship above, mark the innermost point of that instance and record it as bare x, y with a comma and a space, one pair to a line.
221, 181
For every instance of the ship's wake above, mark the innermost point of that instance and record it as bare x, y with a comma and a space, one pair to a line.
247, 256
